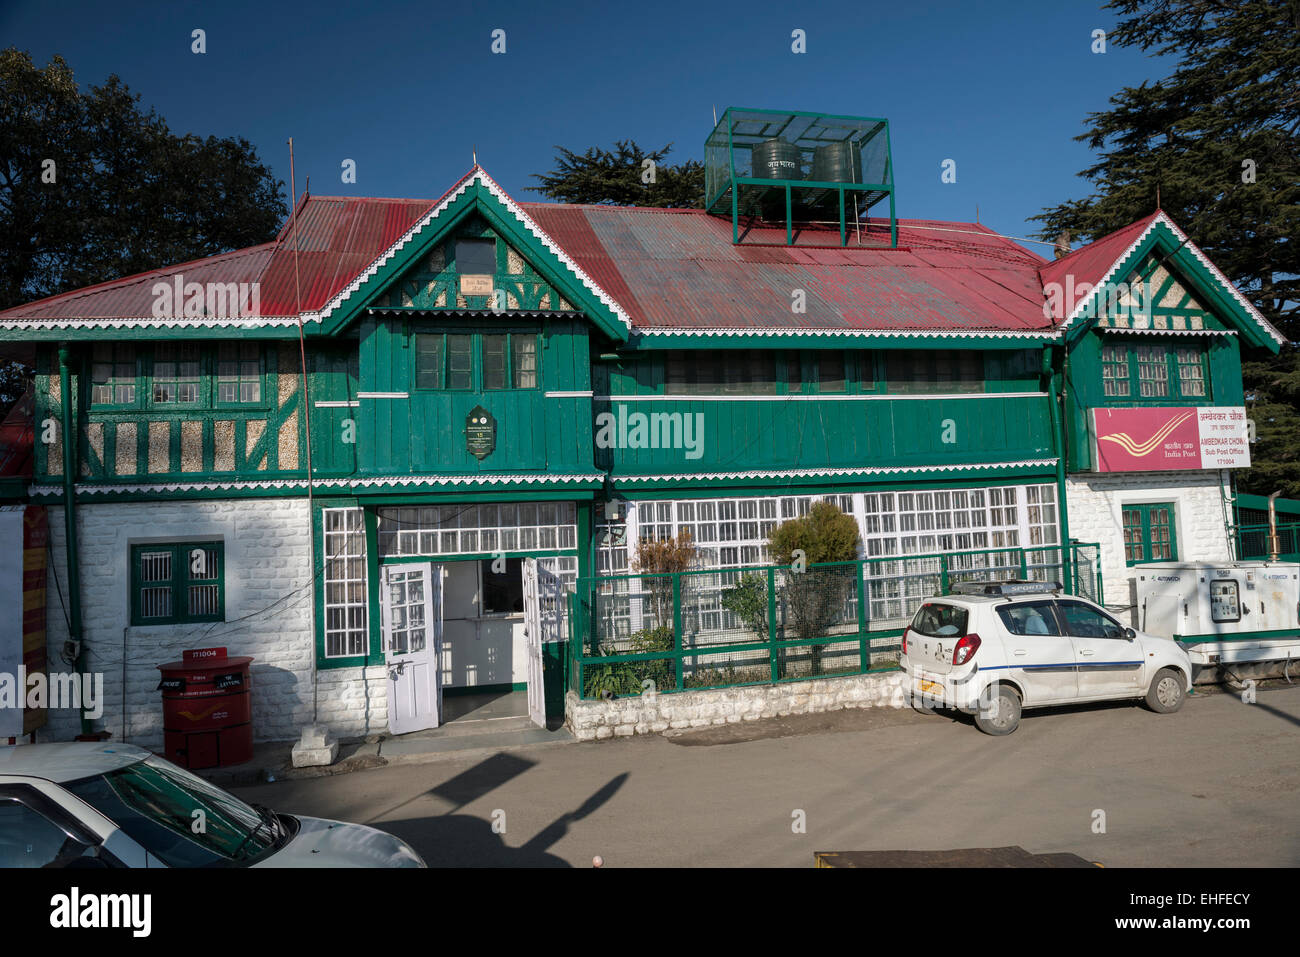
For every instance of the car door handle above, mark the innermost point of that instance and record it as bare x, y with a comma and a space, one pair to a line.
1020, 651
1085, 651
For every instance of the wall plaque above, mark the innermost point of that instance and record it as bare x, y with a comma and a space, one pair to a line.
480, 433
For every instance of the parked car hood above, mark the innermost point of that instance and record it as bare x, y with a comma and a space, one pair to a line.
323, 843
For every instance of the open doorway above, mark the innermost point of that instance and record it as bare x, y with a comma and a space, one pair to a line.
484, 671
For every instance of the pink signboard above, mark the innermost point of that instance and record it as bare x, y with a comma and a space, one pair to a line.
1164, 439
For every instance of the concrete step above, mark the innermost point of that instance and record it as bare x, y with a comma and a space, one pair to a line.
408, 745
461, 727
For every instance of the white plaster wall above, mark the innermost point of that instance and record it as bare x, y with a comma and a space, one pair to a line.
1095, 510
267, 549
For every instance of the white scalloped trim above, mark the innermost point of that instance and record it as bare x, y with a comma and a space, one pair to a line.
799, 473
403, 481
1223, 280
883, 333
149, 322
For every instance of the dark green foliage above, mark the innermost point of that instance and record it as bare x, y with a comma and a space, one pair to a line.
128, 194
825, 534
814, 596
747, 600
616, 178
1232, 97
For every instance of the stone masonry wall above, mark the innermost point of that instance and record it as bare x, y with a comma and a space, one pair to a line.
267, 576
1095, 509
655, 713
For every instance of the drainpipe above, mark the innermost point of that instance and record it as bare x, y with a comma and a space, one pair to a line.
1273, 550
70, 445
1058, 436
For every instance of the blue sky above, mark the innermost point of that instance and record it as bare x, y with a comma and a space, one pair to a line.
407, 90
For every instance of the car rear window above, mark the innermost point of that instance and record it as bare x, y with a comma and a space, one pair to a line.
938, 620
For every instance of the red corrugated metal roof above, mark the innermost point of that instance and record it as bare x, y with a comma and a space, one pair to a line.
666, 268
679, 268
1091, 262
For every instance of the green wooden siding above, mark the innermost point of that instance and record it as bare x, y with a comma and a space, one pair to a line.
418, 431
740, 435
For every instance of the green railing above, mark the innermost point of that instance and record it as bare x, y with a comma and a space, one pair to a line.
719, 628
1253, 542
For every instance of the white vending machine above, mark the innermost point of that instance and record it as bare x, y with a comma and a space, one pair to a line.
1223, 613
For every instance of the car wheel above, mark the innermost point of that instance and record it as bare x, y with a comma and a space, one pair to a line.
999, 711
1166, 694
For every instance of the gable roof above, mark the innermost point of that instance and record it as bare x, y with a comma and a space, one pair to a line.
656, 272
1114, 256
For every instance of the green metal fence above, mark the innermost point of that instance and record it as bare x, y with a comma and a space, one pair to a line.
1253, 542
718, 628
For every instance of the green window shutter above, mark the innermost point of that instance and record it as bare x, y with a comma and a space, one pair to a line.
177, 583
1149, 533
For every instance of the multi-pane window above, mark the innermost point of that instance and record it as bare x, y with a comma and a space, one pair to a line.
176, 374
112, 374
172, 374
1154, 371
1114, 370
1149, 534
239, 372
725, 371
176, 583
1191, 371
477, 529
447, 360
934, 370
831, 376
346, 625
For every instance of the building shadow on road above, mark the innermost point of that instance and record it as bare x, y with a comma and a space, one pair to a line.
465, 840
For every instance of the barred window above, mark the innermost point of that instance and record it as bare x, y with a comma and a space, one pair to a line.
175, 583
1114, 370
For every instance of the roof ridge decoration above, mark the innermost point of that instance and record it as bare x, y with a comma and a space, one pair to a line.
1161, 218
476, 176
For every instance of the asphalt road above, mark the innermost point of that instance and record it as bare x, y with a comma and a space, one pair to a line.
1214, 785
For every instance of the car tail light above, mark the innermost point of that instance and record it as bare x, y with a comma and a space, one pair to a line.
904, 641
965, 649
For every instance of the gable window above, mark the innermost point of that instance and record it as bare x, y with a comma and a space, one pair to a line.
112, 375
177, 583
934, 370
239, 372
476, 257
176, 370
447, 361
1155, 371
1149, 533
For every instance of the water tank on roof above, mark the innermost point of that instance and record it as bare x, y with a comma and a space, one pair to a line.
776, 159
836, 163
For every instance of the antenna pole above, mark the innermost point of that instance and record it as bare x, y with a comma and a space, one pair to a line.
306, 414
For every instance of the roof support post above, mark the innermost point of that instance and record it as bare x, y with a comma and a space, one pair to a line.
1058, 439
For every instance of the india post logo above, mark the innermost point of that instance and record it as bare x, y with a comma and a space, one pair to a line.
1130, 440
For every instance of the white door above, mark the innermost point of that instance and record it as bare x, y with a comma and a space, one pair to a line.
533, 643
411, 611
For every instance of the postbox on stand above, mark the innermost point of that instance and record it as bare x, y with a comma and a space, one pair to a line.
207, 710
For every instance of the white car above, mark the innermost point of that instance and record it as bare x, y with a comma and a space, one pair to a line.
100, 805
993, 649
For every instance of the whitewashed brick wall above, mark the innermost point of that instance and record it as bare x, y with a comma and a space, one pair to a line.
1095, 510
267, 554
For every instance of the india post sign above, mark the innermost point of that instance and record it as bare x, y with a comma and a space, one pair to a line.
1165, 439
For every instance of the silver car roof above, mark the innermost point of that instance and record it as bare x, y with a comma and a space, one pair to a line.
68, 761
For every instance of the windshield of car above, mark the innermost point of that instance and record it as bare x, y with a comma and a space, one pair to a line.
938, 620
178, 817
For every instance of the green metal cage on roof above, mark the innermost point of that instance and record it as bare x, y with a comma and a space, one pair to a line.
815, 175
